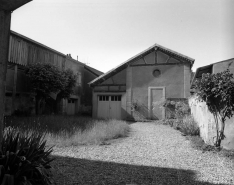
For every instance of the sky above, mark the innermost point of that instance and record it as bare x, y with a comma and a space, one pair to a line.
105, 33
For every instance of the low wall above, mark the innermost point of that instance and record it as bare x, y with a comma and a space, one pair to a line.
207, 126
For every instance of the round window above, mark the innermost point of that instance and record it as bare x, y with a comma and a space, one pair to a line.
156, 73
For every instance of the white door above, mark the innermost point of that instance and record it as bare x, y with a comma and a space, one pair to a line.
109, 106
115, 106
156, 96
103, 107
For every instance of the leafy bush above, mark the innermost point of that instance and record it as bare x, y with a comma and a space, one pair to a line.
24, 159
217, 90
176, 109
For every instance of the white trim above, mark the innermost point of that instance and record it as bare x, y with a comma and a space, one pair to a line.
149, 100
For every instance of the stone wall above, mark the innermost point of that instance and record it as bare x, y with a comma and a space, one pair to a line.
205, 120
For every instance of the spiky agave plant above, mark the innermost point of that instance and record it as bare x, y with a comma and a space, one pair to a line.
24, 159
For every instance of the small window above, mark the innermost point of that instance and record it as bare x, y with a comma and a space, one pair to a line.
103, 98
116, 98
107, 98
100, 98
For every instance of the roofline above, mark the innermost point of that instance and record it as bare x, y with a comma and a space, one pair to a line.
90, 70
199, 68
155, 47
223, 61
44, 46
37, 43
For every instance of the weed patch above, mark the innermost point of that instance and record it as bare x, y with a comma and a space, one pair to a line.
70, 130
187, 125
96, 133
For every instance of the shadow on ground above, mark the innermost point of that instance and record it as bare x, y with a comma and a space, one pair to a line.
69, 170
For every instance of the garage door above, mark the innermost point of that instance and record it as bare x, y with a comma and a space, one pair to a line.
109, 106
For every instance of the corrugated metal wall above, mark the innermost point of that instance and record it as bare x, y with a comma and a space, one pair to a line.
24, 53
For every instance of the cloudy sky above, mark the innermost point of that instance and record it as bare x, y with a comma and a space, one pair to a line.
105, 33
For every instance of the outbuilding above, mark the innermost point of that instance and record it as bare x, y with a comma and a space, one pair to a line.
135, 88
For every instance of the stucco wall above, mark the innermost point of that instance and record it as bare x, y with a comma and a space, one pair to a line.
222, 66
172, 77
206, 123
119, 78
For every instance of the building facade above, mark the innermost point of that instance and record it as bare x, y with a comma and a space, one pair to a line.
135, 88
24, 51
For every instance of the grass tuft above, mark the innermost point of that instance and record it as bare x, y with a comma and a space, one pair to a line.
96, 133
70, 130
188, 126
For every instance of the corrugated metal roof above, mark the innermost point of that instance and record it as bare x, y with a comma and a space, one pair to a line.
122, 65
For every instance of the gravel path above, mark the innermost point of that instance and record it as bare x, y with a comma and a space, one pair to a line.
152, 154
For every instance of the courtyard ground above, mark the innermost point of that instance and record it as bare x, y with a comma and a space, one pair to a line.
152, 154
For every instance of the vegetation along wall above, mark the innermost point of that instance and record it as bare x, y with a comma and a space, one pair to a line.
207, 126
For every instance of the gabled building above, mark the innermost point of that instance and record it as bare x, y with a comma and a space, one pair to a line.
24, 51
135, 88
216, 67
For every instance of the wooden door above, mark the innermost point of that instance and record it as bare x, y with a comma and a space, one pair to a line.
156, 96
103, 107
109, 107
115, 107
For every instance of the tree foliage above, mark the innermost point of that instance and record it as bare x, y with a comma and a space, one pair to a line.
46, 79
70, 82
217, 90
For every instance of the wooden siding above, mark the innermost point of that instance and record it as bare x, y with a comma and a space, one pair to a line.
24, 53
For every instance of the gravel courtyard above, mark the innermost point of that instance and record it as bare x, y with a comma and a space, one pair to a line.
152, 154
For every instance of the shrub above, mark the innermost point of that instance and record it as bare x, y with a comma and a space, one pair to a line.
168, 122
217, 90
176, 109
188, 126
24, 159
